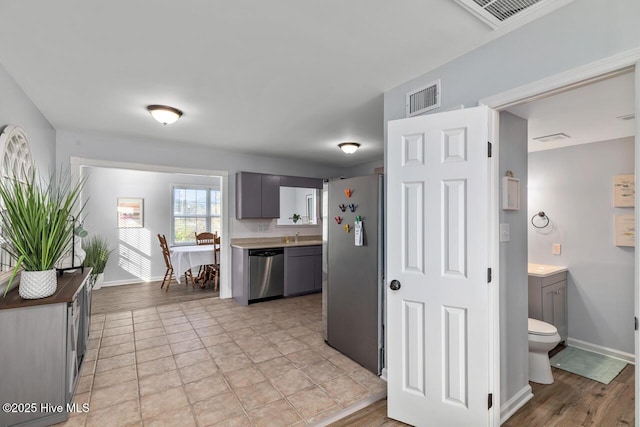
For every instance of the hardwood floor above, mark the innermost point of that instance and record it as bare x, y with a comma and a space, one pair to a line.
113, 299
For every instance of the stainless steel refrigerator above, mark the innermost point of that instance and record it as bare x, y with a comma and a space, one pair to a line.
354, 291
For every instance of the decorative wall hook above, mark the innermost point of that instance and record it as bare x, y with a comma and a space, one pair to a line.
338, 219
347, 228
342, 207
352, 207
358, 218
348, 192
543, 222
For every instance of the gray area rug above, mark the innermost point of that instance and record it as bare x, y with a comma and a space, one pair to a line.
588, 364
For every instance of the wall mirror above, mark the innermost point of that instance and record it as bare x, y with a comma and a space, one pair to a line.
298, 206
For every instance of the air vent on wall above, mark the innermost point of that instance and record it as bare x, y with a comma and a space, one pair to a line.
423, 99
496, 12
552, 137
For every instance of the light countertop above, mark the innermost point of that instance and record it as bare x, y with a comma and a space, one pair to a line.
265, 243
542, 270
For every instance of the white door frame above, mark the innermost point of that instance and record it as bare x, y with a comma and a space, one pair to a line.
225, 256
561, 82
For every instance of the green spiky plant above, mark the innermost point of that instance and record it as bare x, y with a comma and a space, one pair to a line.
97, 254
35, 220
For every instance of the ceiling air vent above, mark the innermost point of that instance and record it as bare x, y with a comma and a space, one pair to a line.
497, 12
423, 99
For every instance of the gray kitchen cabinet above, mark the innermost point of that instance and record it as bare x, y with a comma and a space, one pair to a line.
302, 270
548, 300
43, 347
257, 195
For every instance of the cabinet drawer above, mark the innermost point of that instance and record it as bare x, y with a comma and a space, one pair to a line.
303, 251
555, 278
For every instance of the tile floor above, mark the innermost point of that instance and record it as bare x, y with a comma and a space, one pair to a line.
214, 362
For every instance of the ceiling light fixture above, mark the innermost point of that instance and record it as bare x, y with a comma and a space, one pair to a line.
349, 147
164, 114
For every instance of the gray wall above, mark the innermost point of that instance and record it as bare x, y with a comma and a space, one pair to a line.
580, 33
17, 109
574, 186
514, 346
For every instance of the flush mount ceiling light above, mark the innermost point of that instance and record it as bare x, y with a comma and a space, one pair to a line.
552, 137
164, 114
349, 147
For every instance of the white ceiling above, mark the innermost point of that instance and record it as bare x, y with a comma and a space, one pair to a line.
289, 78
586, 114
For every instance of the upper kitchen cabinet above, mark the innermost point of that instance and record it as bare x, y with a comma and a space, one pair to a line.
257, 195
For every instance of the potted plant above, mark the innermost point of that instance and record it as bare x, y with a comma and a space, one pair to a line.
295, 218
36, 228
97, 253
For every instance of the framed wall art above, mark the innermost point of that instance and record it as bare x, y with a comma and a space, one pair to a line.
624, 191
510, 193
130, 212
626, 230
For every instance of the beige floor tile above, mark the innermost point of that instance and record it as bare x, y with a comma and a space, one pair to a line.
326, 351
182, 417
149, 333
275, 367
118, 323
91, 354
143, 326
115, 376
368, 379
206, 388
209, 330
263, 354
239, 421
78, 421
214, 411
187, 335
159, 382
109, 396
291, 382
174, 312
304, 358
116, 339
95, 334
117, 316
277, 336
244, 377
200, 315
344, 363
299, 331
151, 317
115, 350
95, 326
180, 327
84, 384
174, 320
98, 317
232, 326
243, 333
322, 372
117, 331
206, 323
166, 401
153, 353
157, 366
224, 349
311, 401
251, 343
158, 341
314, 340
232, 362
185, 346
345, 390
211, 340
198, 371
191, 357
276, 414
257, 395
93, 344
168, 308
266, 328
290, 346
115, 362
141, 312
122, 414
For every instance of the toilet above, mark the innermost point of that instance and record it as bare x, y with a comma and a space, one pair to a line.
542, 338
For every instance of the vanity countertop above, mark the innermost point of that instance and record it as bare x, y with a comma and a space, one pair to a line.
543, 270
275, 242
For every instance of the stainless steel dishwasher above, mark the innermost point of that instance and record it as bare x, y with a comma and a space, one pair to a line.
266, 273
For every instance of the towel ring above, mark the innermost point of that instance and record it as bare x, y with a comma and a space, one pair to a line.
544, 217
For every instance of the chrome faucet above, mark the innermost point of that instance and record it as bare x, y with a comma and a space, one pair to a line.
297, 236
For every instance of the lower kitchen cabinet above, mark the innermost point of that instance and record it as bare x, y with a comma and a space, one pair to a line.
302, 270
548, 300
43, 344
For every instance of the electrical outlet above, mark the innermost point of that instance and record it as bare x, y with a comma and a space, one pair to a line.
556, 249
505, 232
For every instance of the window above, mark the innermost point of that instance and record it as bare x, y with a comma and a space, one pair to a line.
195, 209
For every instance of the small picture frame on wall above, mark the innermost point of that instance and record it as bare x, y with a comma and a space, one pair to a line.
625, 230
130, 212
510, 193
624, 191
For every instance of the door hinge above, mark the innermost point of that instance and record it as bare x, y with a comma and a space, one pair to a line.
635, 323
490, 401
489, 149
489, 275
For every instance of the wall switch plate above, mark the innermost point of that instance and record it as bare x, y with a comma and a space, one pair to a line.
505, 232
556, 248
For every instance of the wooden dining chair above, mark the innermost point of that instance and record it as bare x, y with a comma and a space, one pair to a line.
206, 272
216, 261
167, 261
204, 238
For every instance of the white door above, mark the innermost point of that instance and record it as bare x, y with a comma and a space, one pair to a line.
438, 254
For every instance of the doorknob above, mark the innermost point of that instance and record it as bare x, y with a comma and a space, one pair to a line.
395, 285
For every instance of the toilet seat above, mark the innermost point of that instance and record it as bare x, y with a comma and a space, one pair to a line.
538, 327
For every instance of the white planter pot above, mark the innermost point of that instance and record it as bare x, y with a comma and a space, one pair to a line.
98, 279
38, 284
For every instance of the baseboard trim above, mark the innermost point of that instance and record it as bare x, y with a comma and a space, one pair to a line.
516, 402
616, 354
131, 281
351, 409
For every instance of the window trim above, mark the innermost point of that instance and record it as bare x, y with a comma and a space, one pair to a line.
209, 215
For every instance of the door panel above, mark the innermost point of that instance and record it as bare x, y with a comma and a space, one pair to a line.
438, 245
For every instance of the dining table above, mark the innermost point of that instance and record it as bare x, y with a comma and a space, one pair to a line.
184, 258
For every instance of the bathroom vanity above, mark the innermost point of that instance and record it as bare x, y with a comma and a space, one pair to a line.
548, 295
